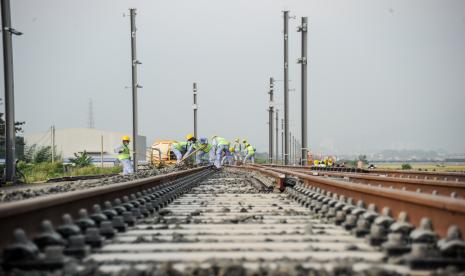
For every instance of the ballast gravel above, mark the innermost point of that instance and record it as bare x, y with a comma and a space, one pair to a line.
30, 191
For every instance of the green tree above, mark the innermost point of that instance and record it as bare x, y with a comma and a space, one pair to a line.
82, 159
36, 154
363, 158
406, 166
43, 154
19, 140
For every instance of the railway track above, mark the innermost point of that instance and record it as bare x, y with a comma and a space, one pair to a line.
444, 211
408, 174
232, 222
439, 187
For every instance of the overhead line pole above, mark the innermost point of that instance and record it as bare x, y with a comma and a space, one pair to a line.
135, 85
195, 107
282, 141
286, 88
303, 61
290, 148
10, 137
277, 136
270, 122
52, 134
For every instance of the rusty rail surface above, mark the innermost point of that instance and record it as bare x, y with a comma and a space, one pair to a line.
445, 188
420, 175
28, 214
443, 211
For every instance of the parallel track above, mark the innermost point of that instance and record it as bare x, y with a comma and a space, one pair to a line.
440, 187
409, 174
443, 211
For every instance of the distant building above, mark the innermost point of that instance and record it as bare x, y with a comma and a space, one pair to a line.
73, 140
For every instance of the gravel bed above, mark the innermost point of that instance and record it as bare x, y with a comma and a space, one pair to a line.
29, 191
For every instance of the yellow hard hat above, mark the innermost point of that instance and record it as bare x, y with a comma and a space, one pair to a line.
231, 149
189, 136
126, 138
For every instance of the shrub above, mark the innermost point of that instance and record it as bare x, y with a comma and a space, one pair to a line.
82, 159
406, 166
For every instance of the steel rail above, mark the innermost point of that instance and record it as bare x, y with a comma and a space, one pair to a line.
443, 211
411, 174
28, 214
445, 188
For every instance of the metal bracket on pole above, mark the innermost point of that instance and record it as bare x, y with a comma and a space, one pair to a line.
302, 60
13, 31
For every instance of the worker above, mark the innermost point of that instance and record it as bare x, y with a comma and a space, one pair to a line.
124, 155
222, 147
330, 162
244, 142
181, 148
237, 149
204, 148
191, 141
229, 159
249, 153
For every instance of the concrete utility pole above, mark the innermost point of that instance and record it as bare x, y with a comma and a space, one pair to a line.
52, 134
10, 137
101, 150
282, 141
277, 138
303, 61
135, 85
195, 107
290, 147
270, 122
286, 88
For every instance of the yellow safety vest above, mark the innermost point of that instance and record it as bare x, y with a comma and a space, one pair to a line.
125, 154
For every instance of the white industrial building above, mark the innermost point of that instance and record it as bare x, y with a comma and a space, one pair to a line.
93, 141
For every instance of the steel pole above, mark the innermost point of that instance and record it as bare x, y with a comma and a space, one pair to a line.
290, 147
277, 138
303, 61
101, 150
134, 63
10, 137
286, 88
282, 141
195, 108
52, 134
270, 122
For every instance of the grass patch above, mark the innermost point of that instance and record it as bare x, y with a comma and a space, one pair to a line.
424, 167
45, 171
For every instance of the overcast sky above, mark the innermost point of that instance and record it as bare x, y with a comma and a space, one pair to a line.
382, 74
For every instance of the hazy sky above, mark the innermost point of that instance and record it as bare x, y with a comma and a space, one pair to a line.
382, 74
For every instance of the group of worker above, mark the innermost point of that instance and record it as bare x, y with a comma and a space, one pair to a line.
218, 151
326, 162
